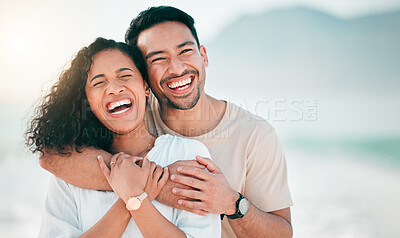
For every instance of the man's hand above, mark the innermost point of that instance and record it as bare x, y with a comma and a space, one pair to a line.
168, 198
212, 192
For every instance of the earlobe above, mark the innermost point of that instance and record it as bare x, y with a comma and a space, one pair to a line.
146, 89
203, 53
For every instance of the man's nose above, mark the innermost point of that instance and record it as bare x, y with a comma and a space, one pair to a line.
114, 87
176, 66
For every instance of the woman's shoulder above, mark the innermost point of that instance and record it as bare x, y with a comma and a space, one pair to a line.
168, 139
180, 148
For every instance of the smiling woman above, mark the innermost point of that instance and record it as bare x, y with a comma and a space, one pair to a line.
115, 89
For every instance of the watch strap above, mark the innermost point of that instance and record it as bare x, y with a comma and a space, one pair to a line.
142, 196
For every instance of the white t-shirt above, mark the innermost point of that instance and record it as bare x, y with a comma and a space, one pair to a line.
70, 211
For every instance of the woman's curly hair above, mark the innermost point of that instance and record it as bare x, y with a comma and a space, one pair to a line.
64, 121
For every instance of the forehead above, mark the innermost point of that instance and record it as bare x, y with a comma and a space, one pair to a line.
110, 58
164, 36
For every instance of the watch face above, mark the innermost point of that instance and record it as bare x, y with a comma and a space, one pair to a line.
133, 204
244, 206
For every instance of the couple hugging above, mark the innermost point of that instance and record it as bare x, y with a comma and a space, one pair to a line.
177, 164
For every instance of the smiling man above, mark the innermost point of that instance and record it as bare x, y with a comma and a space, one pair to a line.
246, 180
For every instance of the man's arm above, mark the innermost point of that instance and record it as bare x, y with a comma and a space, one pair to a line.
79, 169
82, 170
215, 195
257, 223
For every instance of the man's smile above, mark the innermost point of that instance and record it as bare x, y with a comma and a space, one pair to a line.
182, 84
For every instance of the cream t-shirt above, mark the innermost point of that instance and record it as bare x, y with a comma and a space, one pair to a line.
248, 152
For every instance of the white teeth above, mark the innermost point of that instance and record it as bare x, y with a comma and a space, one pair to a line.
180, 83
113, 105
183, 88
119, 112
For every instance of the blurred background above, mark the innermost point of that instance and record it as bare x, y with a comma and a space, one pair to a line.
324, 73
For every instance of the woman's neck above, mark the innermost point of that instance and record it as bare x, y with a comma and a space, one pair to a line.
137, 142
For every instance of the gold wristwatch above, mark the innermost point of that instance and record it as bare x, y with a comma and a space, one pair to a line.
134, 203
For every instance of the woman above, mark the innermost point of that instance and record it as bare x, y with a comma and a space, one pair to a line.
100, 101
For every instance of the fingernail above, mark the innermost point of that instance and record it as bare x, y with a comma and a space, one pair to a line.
173, 177
180, 202
179, 169
99, 157
174, 190
166, 168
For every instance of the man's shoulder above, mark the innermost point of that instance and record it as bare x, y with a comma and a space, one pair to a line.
246, 120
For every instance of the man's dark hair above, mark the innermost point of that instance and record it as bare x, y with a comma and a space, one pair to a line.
155, 15
63, 120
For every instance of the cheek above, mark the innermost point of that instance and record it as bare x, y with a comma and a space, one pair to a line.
156, 72
94, 102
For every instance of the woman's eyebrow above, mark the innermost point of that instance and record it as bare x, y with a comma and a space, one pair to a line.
122, 69
97, 76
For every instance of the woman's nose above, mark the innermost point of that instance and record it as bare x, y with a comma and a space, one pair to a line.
114, 87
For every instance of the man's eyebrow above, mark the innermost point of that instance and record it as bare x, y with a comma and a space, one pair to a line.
97, 76
185, 44
151, 54
122, 69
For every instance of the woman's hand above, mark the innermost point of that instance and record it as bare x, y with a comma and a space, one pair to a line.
126, 177
156, 180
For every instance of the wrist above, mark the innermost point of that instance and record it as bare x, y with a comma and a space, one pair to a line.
232, 203
133, 193
134, 203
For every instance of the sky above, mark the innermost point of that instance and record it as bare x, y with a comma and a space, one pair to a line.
38, 38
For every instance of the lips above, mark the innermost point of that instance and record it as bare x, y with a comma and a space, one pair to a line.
119, 106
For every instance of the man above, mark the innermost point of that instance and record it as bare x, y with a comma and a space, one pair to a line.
246, 180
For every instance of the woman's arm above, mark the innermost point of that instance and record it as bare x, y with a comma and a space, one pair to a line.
107, 225
129, 180
147, 216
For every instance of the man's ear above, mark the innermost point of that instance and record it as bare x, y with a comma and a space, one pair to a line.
203, 53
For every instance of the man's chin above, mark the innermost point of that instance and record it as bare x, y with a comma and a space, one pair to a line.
184, 103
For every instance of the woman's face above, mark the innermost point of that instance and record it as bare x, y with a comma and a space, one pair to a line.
116, 91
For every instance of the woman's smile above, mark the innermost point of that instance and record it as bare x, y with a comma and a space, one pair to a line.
119, 108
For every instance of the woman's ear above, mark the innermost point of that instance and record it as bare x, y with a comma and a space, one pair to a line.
146, 89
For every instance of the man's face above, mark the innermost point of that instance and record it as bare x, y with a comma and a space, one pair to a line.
175, 64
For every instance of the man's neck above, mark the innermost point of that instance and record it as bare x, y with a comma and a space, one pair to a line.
137, 142
202, 118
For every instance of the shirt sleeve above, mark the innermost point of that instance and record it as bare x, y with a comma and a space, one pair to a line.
61, 214
266, 173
